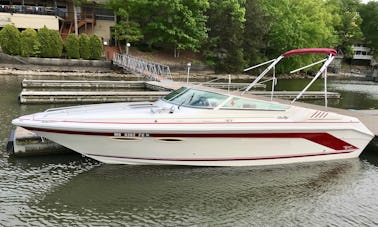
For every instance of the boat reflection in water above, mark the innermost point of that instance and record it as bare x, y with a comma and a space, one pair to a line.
298, 194
204, 127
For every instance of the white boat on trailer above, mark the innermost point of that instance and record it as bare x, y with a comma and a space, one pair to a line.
204, 127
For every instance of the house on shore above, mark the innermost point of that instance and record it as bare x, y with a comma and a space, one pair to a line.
93, 17
362, 55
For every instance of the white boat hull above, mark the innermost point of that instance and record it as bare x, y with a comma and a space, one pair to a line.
239, 149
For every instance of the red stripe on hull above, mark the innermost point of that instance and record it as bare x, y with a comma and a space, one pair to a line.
324, 139
226, 159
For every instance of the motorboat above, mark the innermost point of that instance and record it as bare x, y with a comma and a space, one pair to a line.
200, 126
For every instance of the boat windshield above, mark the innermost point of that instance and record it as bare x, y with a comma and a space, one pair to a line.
189, 97
238, 103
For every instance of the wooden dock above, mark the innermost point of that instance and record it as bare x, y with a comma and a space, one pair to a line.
67, 91
23, 142
231, 86
82, 84
45, 97
293, 94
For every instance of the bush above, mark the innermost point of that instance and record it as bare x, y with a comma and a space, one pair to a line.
84, 46
95, 47
72, 46
29, 43
51, 43
10, 40
57, 42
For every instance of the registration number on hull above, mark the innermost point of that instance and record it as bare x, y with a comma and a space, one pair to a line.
131, 134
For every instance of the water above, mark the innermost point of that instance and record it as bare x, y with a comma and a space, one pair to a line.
354, 94
70, 190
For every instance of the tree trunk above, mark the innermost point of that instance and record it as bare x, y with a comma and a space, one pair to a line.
176, 52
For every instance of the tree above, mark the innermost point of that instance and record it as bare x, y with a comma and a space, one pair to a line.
72, 46
257, 25
95, 47
346, 22
369, 25
125, 29
57, 42
29, 43
84, 46
225, 25
51, 43
298, 24
178, 24
10, 40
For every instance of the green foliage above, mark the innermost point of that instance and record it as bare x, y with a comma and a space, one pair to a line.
51, 43
297, 24
369, 26
225, 24
346, 22
95, 47
177, 24
72, 46
57, 42
29, 43
237, 33
257, 25
79, 2
10, 40
126, 30
84, 47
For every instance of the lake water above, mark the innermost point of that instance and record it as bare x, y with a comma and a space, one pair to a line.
71, 190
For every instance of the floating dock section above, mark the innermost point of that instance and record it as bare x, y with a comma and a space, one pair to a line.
82, 84
66, 91
46, 97
26, 143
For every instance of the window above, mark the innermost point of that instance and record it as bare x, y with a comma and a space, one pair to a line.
195, 98
251, 104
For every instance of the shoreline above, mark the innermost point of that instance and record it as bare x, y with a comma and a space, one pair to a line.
33, 70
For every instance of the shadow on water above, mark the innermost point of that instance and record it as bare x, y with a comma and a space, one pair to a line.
370, 153
151, 195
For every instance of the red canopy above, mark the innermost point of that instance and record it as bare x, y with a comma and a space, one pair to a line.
311, 51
